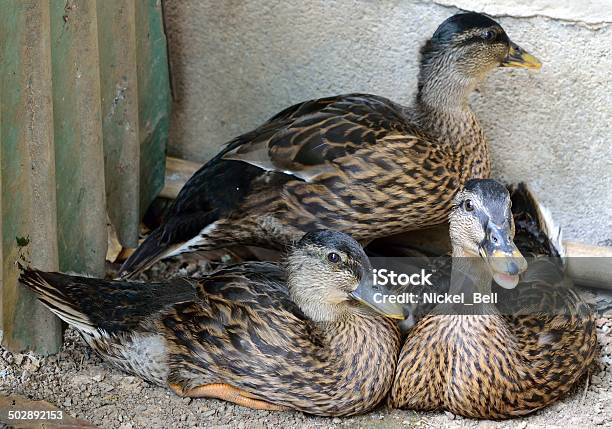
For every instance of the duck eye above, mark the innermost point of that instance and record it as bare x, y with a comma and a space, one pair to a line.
333, 257
468, 205
488, 35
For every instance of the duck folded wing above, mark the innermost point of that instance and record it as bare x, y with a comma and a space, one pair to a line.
303, 140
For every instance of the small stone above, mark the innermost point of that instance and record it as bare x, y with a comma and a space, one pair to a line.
209, 413
336, 421
34, 361
67, 402
186, 400
24, 376
18, 358
522, 425
105, 387
450, 415
129, 379
126, 426
596, 380
599, 420
600, 322
32, 365
98, 377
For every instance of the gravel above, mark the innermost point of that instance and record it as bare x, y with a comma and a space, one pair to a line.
79, 382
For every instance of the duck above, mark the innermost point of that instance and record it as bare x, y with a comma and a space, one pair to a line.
303, 335
357, 163
497, 361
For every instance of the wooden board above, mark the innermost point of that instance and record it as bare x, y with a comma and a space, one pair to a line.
28, 173
120, 121
154, 98
79, 156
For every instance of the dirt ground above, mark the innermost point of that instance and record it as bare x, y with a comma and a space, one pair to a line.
80, 383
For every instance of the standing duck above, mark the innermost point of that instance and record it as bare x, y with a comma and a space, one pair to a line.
357, 163
503, 361
257, 334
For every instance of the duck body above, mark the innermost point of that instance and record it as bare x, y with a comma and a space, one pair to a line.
495, 366
350, 163
235, 335
357, 163
505, 360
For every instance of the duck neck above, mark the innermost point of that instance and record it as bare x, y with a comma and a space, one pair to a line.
443, 89
442, 103
470, 277
362, 351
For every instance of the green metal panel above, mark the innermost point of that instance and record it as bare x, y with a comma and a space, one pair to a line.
28, 176
154, 98
119, 86
78, 137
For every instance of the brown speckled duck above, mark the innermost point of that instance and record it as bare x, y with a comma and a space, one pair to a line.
257, 334
500, 361
357, 163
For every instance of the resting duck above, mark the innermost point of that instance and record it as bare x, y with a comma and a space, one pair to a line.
357, 163
495, 362
257, 334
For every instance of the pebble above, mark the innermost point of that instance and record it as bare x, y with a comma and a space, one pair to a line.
450, 415
596, 380
336, 421
599, 420
105, 387
98, 377
209, 413
18, 358
129, 380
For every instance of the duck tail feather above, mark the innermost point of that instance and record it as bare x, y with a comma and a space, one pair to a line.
545, 220
529, 203
49, 288
150, 251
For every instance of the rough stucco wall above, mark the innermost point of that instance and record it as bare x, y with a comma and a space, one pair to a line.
236, 63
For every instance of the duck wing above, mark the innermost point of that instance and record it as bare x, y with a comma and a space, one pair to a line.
314, 133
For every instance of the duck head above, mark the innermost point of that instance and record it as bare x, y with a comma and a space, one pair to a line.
463, 50
330, 277
482, 226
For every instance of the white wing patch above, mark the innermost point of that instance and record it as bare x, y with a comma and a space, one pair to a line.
193, 242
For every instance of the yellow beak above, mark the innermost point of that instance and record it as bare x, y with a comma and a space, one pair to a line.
517, 57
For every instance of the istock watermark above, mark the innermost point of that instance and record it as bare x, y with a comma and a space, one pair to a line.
385, 277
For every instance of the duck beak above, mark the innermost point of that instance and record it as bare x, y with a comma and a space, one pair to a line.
503, 257
377, 298
517, 57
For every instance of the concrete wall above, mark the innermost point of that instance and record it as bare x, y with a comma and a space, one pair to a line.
235, 63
